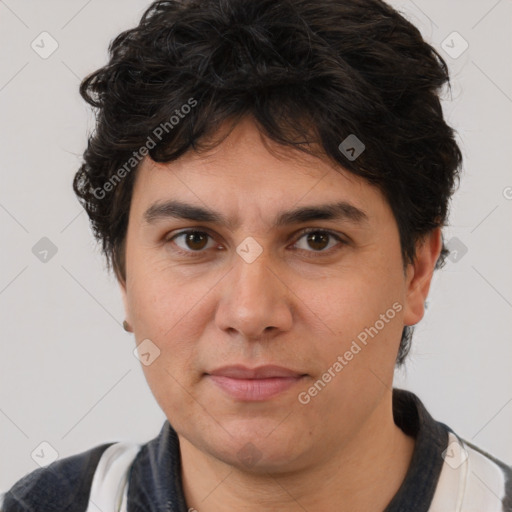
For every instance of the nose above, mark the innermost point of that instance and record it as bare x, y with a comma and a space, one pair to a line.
255, 303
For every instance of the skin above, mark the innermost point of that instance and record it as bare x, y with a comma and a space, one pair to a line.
297, 305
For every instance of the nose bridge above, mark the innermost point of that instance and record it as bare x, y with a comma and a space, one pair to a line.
253, 299
252, 275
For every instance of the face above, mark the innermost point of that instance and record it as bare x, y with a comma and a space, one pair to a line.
316, 302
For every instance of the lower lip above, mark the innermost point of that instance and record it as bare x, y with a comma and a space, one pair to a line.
253, 390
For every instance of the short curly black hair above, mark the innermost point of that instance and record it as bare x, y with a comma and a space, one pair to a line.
309, 72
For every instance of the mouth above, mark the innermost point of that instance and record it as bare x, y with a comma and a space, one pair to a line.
254, 385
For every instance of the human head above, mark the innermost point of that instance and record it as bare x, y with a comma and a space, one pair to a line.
307, 72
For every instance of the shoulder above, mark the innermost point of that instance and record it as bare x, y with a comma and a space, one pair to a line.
62, 486
472, 479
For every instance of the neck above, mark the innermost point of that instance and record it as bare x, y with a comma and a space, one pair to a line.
364, 474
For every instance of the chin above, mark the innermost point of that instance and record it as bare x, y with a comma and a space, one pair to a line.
260, 450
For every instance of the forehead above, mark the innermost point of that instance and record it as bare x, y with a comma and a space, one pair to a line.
249, 176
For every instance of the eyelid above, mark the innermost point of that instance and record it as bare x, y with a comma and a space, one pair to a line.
335, 234
341, 239
169, 238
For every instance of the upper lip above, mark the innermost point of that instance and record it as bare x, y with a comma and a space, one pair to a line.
261, 372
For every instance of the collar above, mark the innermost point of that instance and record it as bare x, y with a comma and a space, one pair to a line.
420, 482
155, 477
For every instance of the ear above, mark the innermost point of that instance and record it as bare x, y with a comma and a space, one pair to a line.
119, 268
419, 276
122, 287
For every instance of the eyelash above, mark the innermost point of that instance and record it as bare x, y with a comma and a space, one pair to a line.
194, 254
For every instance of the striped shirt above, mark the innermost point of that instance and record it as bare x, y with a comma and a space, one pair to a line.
446, 474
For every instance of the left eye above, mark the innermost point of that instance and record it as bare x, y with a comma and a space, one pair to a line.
318, 240
195, 241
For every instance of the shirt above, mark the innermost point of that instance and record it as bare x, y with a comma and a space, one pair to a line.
446, 473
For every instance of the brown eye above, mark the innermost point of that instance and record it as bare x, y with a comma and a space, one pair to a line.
196, 240
318, 241
192, 241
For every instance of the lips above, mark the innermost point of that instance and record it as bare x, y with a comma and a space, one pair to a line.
262, 372
254, 384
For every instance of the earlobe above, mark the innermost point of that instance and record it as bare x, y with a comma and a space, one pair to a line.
419, 276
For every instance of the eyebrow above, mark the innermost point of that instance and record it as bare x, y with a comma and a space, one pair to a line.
341, 210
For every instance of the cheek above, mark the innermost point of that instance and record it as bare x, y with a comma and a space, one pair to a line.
159, 298
167, 319
359, 305
171, 312
354, 299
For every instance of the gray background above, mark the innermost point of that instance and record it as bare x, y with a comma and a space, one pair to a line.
68, 375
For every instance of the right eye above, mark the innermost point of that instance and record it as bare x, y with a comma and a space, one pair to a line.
192, 241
